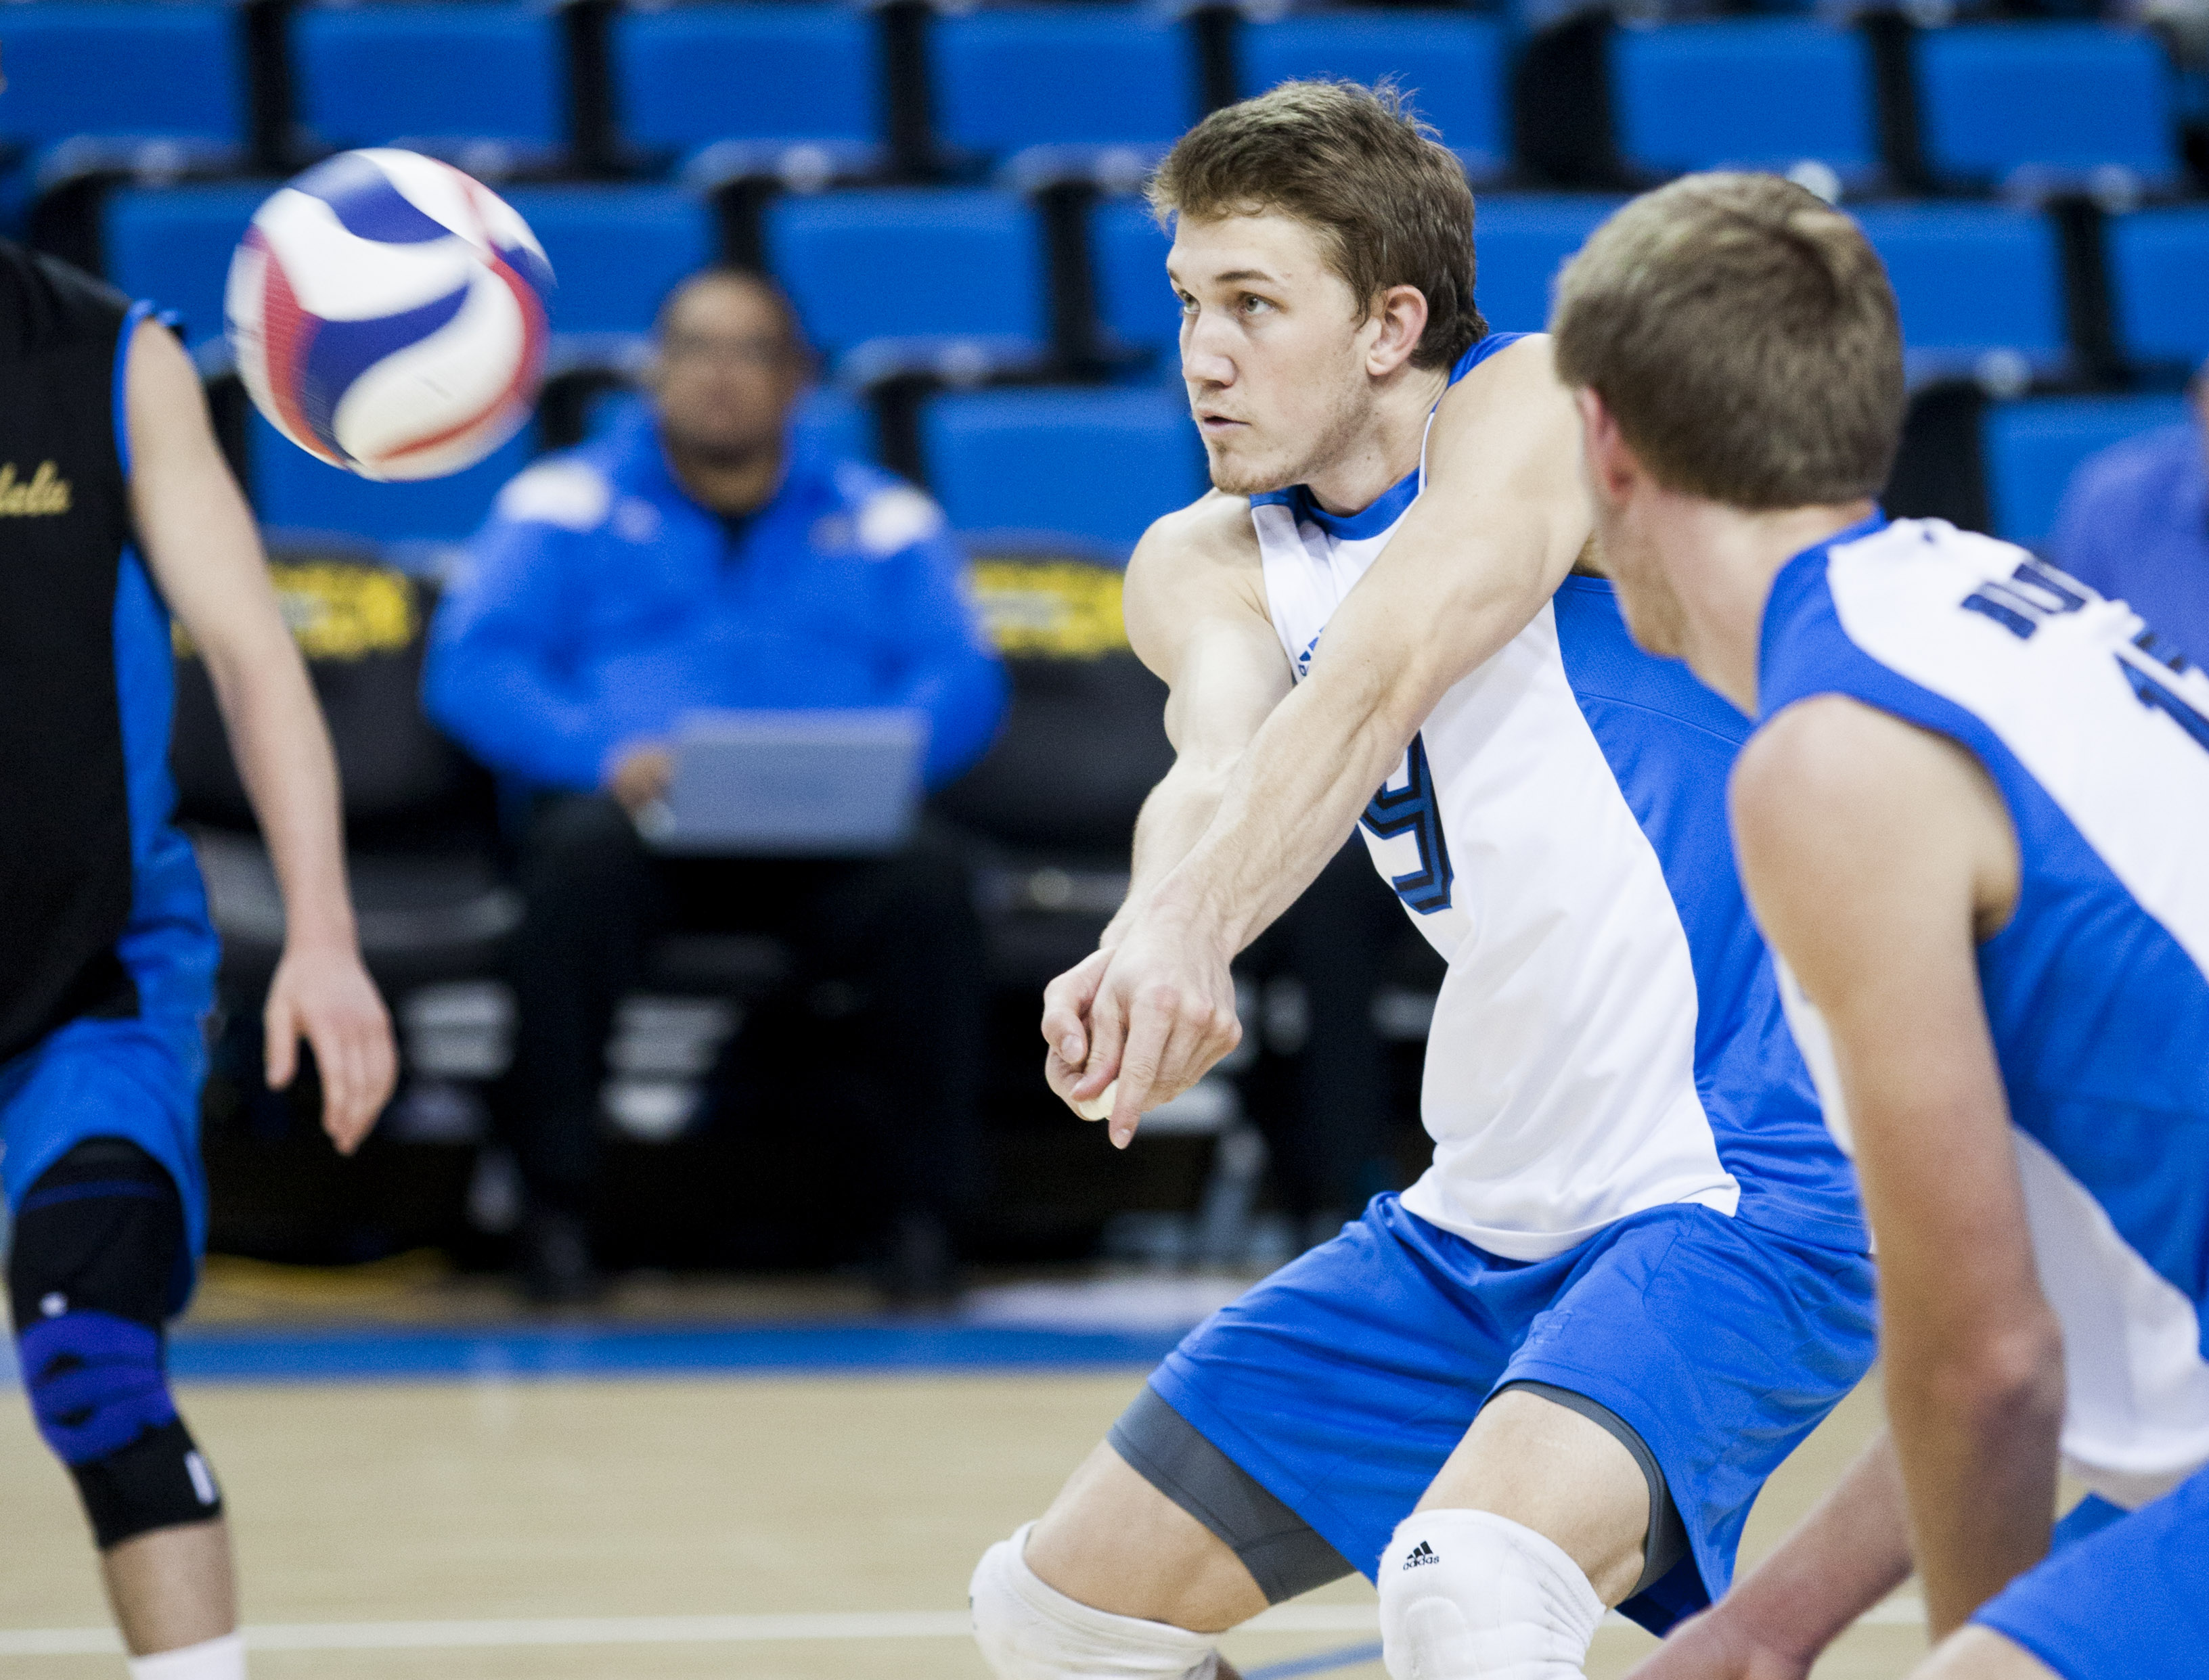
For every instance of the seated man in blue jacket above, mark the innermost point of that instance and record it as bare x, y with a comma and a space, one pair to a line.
693, 558
2134, 524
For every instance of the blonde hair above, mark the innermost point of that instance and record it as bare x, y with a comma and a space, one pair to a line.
1744, 334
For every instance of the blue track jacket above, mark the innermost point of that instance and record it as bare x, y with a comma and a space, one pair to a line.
601, 602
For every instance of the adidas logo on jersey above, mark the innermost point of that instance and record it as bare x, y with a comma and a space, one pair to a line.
1421, 1553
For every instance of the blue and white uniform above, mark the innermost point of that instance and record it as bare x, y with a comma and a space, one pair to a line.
2096, 736
1634, 1195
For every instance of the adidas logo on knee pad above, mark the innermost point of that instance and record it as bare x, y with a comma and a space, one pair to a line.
1421, 1553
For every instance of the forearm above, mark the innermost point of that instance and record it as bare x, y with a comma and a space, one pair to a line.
284, 757
1849, 1552
1978, 1453
1283, 813
1173, 820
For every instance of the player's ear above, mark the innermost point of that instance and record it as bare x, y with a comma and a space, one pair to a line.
1612, 467
1400, 312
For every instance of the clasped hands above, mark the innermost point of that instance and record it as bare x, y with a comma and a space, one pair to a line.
1144, 1016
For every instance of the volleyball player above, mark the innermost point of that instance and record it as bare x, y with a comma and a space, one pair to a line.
117, 510
1551, 1377
1971, 821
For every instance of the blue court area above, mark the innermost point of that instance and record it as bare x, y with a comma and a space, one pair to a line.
570, 1353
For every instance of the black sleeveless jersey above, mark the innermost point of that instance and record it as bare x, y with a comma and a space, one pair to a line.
67, 871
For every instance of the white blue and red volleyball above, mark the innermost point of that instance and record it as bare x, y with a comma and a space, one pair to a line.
387, 313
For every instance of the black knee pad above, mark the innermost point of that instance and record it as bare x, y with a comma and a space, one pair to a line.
95, 1246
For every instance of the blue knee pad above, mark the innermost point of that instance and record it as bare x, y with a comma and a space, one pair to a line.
95, 1383
95, 1245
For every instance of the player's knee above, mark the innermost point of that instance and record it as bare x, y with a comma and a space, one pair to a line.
1466, 1594
95, 1246
1029, 1630
1975, 1652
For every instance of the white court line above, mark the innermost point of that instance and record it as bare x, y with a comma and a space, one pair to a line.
515, 1633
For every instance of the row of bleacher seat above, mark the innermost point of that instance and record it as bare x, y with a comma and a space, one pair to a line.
1086, 462
1980, 286
1102, 464
803, 88
1974, 279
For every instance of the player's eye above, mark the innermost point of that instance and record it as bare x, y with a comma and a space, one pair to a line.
1252, 303
1188, 303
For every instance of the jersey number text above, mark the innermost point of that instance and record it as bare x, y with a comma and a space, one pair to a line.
2035, 593
1412, 809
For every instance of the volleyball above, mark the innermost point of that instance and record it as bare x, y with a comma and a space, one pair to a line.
387, 314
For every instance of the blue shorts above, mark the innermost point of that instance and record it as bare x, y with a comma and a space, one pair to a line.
1344, 1381
2128, 1600
134, 1078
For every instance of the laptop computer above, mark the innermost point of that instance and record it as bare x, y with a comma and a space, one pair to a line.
790, 783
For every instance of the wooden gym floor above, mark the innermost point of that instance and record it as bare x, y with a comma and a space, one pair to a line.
640, 1527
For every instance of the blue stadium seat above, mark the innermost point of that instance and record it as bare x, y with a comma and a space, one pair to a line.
122, 68
294, 492
435, 75
1127, 262
1757, 93
1452, 66
917, 264
2032, 448
692, 75
616, 251
1971, 279
1078, 76
2052, 101
2158, 260
173, 245
1100, 464
1519, 244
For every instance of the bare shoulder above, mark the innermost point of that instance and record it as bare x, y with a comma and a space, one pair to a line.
1213, 531
1509, 428
1831, 757
1196, 559
1835, 795
161, 382
1517, 386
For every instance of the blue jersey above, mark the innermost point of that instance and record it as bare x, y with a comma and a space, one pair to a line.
2098, 990
1609, 1037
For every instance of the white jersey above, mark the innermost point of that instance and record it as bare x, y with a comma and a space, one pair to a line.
2098, 990
1608, 1037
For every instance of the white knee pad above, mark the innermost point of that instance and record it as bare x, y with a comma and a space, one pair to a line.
1465, 1595
220, 1658
1028, 1630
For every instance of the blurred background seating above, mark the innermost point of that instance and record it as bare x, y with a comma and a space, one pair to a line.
950, 196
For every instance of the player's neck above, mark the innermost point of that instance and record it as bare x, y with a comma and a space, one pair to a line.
1731, 557
1386, 449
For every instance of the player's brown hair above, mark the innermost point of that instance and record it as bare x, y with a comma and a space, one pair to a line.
1387, 200
1742, 332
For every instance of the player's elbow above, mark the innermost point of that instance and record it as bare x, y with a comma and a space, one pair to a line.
2004, 1379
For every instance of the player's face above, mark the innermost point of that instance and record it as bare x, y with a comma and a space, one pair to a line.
1620, 492
1273, 350
726, 374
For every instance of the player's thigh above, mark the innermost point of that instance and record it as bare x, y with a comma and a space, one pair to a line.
1112, 1541
1981, 1654
1563, 1475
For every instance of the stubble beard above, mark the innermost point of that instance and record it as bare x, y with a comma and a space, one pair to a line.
1248, 473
